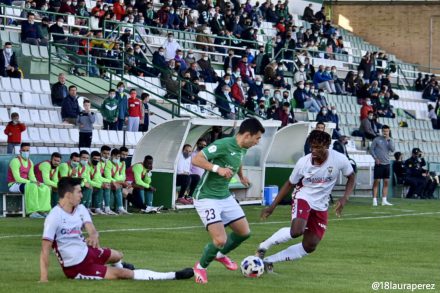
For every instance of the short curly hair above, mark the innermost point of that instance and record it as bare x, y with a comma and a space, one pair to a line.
320, 137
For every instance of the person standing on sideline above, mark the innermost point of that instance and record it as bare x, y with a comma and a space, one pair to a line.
85, 121
13, 130
110, 111
313, 178
213, 201
59, 90
80, 257
380, 150
145, 97
134, 112
122, 98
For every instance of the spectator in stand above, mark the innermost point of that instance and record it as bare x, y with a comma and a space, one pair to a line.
432, 116
284, 114
207, 72
380, 151
340, 145
304, 99
85, 121
200, 145
179, 59
366, 109
159, 61
21, 179
230, 61
425, 81
190, 57
184, 177
308, 14
323, 115
431, 92
323, 80
57, 32
237, 92
321, 100
135, 112
270, 72
171, 46
30, 33
70, 107
225, 103
350, 86
339, 83
44, 29
262, 59
110, 111
145, 97
398, 169
8, 62
13, 130
245, 70
300, 75
67, 7
366, 66
367, 128
59, 90
418, 83
334, 117
122, 99
119, 9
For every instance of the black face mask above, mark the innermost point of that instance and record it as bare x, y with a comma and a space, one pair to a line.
95, 162
123, 159
199, 148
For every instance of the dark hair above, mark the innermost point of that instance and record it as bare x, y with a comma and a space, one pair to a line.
83, 152
123, 149
251, 125
112, 91
72, 87
67, 184
55, 155
200, 140
15, 114
319, 137
115, 152
30, 14
144, 95
25, 144
95, 154
8, 44
397, 155
119, 84
132, 90
185, 146
74, 155
286, 104
148, 157
385, 127
105, 148
86, 101
59, 17
320, 123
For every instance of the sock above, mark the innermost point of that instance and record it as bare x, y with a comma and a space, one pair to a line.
208, 255
293, 252
142, 195
106, 197
234, 240
118, 195
220, 255
280, 236
118, 264
149, 199
151, 275
97, 196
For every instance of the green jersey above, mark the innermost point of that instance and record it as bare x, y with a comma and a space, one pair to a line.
226, 153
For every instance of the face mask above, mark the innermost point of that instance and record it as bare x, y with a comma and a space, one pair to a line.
74, 164
254, 98
74, 3
105, 8
84, 162
239, 82
111, 96
370, 117
226, 93
227, 81
368, 103
334, 70
170, 39
277, 96
161, 53
186, 155
324, 112
60, 24
191, 55
361, 75
174, 77
121, 89
307, 88
115, 161
25, 155
95, 162
301, 69
301, 86
334, 111
138, 50
278, 40
171, 11
258, 82
69, 3
8, 50
237, 74
205, 58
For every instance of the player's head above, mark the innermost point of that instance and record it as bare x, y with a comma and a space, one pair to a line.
187, 150
74, 159
148, 162
250, 132
320, 126
69, 189
105, 152
84, 157
124, 153
55, 160
96, 157
319, 143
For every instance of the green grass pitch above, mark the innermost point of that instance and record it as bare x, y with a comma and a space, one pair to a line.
399, 244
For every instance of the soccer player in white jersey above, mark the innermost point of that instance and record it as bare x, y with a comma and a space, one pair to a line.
82, 258
313, 177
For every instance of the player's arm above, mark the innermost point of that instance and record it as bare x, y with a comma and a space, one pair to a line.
44, 259
93, 239
244, 180
349, 186
285, 190
201, 161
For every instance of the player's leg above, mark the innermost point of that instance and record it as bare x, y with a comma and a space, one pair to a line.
44, 194
113, 273
385, 176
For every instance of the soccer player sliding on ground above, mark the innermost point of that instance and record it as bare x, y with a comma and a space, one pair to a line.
83, 258
313, 177
213, 201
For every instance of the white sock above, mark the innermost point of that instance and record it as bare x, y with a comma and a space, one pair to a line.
293, 252
118, 264
384, 199
199, 266
150, 275
220, 255
280, 236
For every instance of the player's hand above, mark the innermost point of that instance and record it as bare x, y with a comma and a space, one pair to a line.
116, 185
377, 161
93, 241
340, 206
87, 185
266, 213
152, 189
105, 185
245, 181
225, 172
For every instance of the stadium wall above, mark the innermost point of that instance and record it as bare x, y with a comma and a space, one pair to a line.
408, 29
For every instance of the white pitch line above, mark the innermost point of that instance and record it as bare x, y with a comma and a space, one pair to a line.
255, 223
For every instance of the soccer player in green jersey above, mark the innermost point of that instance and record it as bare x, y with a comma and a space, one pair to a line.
213, 201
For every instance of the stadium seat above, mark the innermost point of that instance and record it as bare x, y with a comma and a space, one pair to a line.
35, 117
36, 86
26, 85
43, 150
4, 116
16, 84
74, 134
65, 137
15, 98
29, 99
54, 117
3, 138
115, 137
46, 100
64, 151
131, 138
35, 51
55, 135
45, 136
5, 98
53, 150
6, 84
45, 86
96, 139
34, 136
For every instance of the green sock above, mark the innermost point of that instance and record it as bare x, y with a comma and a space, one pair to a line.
234, 240
118, 195
106, 197
209, 254
149, 198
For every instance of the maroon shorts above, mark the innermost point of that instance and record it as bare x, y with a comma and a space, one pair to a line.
92, 267
316, 220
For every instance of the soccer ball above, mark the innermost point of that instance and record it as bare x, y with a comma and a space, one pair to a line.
252, 267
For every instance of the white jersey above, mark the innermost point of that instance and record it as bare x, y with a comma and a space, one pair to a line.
315, 183
65, 230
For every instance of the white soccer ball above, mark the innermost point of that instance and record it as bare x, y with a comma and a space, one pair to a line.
252, 267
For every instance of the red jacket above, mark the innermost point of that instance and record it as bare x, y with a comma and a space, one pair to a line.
245, 70
237, 94
135, 107
364, 111
13, 131
67, 9
118, 10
